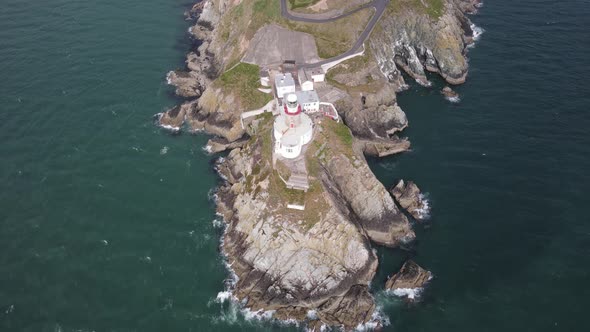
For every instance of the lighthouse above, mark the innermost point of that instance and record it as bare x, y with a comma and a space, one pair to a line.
292, 128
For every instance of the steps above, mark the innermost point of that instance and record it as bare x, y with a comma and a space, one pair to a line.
298, 182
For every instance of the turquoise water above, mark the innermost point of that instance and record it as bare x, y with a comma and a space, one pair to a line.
106, 222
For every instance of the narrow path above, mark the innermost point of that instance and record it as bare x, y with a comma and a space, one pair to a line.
379, 6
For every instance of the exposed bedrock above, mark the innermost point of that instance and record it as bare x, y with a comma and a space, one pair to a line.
284, 263
417, 42
409, 197
376, 127
371, 203
410, 276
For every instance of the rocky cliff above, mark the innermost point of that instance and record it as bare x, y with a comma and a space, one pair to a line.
315, 264
320, 259
424, 35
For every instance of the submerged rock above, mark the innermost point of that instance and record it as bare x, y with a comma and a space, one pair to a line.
408, 196
409, 280
450, 94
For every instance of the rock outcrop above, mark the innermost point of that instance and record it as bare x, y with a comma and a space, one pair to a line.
418, 38
376, 122
288, 262
410, 277
409, 198
370, 202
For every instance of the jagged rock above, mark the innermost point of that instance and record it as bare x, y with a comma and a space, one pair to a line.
376, 122
175, 117
417, 42
355, 307
286, 267
384, 147
218, 144
375, 208
410, 276
409, 197
450, 94
188, 84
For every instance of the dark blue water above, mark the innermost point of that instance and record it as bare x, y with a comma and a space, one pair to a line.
105, 220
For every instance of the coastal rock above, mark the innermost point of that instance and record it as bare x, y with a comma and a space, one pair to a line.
188, 84
384, 147
409, 278
376, 122
418, 39
409, 197
175, 117
374, 208
218, 144
285, 263
448, 92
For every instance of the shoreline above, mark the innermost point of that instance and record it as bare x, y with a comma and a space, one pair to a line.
237, 168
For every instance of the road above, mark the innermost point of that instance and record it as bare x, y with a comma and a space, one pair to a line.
379, 6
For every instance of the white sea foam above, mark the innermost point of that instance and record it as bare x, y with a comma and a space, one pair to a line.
164, 150
377, 319
455, 99
424, 211
224, 296
410, 293
477, 32
207, 148
168, 80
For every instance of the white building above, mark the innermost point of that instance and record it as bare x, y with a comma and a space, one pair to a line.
284, 84
306, 85
317, 74
309, 100
292, 128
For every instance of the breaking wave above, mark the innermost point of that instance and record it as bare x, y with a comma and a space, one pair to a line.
424, 211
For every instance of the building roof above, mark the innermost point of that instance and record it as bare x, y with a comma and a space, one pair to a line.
284, 80
306, 97
264, 73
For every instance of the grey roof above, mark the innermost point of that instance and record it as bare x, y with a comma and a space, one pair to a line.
264, 73
305, 97
284, 80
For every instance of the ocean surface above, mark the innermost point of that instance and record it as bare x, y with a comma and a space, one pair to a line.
106, 221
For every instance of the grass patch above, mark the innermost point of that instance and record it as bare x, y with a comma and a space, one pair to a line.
302, 3
243, 80
433, 8
334, 38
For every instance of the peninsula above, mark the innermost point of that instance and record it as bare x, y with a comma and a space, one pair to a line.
299, 92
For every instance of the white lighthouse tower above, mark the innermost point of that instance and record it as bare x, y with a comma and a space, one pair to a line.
292, 128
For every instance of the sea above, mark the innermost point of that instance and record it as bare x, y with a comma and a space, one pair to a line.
107, 222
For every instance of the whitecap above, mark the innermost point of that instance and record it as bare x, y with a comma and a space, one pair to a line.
164, 150
454, 99
424, 210
477, 32
410, 293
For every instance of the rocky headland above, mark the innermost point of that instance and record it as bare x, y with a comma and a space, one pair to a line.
313, 265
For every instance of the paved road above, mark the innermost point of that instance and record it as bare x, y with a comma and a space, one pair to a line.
379, 6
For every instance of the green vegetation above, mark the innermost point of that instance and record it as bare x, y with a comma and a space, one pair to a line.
337, 37
244, 80
302, 3
434, 8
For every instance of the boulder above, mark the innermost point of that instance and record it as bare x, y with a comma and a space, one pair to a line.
408, 196
450, 94
410, 277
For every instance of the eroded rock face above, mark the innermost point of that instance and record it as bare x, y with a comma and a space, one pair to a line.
370, 202
409, 197
416, 42
410, 276
376, 122
283, 263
